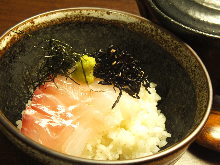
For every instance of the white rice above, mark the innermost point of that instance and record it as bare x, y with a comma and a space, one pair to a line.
138, 129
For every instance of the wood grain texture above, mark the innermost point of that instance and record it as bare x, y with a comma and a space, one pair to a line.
12, 12
210, 135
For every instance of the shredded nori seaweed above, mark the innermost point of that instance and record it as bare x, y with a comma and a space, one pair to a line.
114, 66
59, 58
119, 68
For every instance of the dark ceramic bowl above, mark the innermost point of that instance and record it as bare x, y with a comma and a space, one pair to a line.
183, 82
193, 18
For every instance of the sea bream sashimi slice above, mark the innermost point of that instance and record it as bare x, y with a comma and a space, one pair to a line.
65, 116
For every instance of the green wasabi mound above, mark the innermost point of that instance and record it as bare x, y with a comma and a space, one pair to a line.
84, 70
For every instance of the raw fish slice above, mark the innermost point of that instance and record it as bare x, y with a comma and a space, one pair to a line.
58, 91
65, 116
48, 135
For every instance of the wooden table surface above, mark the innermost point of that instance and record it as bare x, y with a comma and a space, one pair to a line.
12, 12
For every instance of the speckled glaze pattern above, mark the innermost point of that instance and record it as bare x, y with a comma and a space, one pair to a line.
190, 62
184, 56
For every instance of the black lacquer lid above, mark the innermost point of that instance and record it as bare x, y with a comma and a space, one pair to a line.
198, 16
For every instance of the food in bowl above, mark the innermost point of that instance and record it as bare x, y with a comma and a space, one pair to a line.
182, 81
97, 106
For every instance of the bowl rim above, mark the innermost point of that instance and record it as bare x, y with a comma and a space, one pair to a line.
169, 150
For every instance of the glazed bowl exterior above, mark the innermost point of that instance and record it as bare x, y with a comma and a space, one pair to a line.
154, 45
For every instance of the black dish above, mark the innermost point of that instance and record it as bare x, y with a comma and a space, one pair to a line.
174, 85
